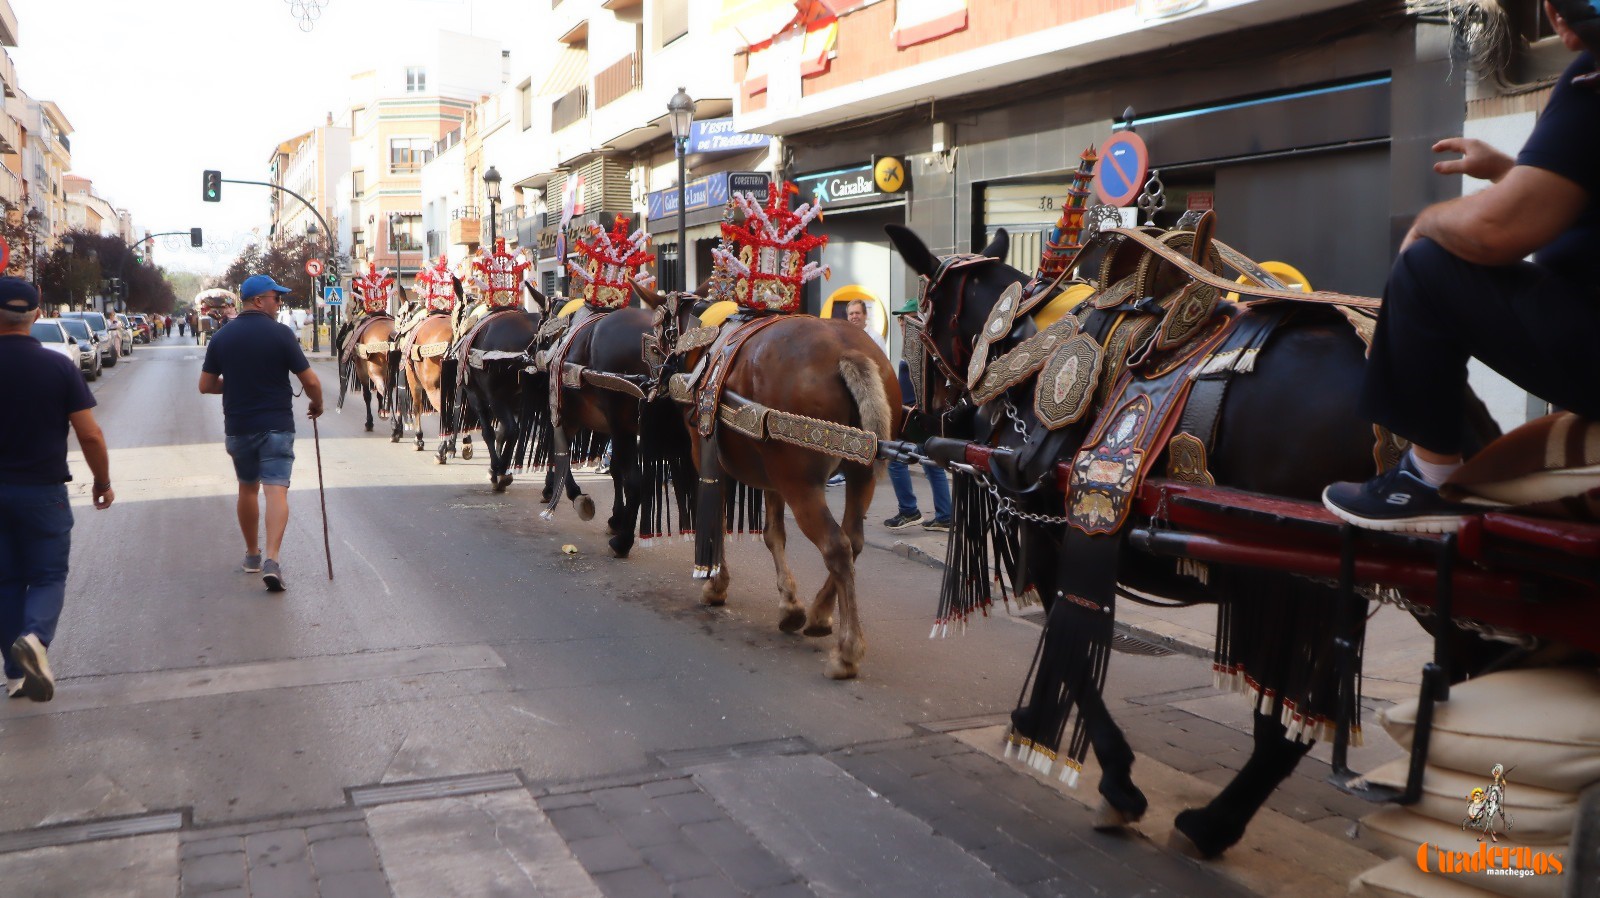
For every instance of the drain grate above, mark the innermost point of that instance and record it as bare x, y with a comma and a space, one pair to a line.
371, 796
144, 824
1133, 645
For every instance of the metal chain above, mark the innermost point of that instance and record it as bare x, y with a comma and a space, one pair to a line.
1388, 595
1006, 508
1017, 423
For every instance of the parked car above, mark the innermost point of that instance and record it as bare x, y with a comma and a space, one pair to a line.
110, 341
119, 326
88, 346
58, 335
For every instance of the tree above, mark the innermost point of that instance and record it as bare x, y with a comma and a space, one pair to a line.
70, 278
284, 259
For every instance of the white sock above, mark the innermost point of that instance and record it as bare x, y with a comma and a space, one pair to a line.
1432, 474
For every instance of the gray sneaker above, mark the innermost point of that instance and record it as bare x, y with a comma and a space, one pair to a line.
38, 683
14, 688
272, 575
252, 563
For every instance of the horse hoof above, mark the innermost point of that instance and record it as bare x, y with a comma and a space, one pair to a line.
585, 507
792, 620
369, 427
620, 547
394, 438
1200, 835
839, 669
420, 447
819, 630
1107, 818
500, 483
466, 452
712, 599
544, 496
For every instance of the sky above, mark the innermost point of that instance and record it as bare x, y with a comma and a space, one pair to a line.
157, 91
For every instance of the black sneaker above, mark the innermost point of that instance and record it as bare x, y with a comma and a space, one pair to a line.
902, 521
1396, 500
942, 524
272, 575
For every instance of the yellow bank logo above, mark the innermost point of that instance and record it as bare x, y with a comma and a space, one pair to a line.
1492, 860
889, 174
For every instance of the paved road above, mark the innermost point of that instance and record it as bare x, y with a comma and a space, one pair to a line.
460, 646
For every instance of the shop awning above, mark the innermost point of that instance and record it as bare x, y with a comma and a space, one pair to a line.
755, 20
571, 69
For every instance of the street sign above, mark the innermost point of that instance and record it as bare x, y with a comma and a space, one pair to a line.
314, 267
333, 296
1120, 173
5, 254
756, 182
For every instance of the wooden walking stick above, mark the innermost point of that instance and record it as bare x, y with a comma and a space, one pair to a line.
316, 439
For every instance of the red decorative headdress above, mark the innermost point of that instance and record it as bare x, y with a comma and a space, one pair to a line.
764, 256
612, 262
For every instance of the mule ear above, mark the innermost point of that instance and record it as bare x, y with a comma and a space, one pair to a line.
646, 295
999, 245
539, 298
912, 249
703, 288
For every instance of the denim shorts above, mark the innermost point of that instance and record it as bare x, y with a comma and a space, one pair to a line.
265, 457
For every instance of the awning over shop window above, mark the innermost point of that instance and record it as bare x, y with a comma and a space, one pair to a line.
570, 70
927, 19
755, 21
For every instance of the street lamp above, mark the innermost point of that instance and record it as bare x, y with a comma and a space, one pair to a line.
34, 218
680, 110
491, 187
67, 244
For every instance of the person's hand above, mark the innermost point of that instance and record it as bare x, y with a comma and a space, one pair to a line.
314, 410
103, 496
1478, 159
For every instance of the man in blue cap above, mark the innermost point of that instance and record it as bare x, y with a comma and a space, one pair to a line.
45, 393
249, 363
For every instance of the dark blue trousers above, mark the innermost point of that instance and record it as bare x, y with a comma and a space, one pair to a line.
1538, 329
35, 540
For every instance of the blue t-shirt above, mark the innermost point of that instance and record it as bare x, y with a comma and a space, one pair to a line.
43, 389
255, 356
1566, 141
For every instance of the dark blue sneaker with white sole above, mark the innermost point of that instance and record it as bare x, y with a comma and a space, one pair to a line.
1397, 500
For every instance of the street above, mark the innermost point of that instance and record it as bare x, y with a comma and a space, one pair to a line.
221, 730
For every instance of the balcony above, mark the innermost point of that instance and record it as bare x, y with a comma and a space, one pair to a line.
446, 142
8, 26
8, 74
466, 227
571, 108
618, 79
10, 135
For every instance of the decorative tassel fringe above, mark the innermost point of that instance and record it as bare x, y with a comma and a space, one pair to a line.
1199, 570
1074, 651
535, 435
974, 540
665, 472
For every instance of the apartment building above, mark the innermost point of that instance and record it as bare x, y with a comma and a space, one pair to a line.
313, 165
87, 210
45, 158
1306, 125
11, 184
398, 118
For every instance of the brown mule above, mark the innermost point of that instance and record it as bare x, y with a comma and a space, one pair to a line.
425, 376
831, 371
374, 369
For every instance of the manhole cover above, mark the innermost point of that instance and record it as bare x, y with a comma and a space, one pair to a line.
1133, 645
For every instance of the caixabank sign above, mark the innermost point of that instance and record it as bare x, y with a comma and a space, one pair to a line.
882, 179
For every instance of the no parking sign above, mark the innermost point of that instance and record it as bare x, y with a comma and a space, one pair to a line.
1120, 173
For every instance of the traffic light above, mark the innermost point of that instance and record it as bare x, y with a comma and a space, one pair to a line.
194, 237
212, 183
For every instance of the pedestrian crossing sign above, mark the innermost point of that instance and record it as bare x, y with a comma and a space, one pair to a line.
333, 296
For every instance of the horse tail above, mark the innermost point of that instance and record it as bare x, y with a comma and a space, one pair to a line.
865, 383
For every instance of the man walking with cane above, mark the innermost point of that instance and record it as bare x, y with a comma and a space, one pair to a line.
249, 363
45, 394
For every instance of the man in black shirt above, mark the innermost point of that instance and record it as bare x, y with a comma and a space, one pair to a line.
45, 393
1460, 290
249, 363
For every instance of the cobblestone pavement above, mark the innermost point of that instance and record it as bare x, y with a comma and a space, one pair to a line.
924, 815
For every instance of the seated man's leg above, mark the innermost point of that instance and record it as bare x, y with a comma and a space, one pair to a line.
1531, 326
1521, 320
